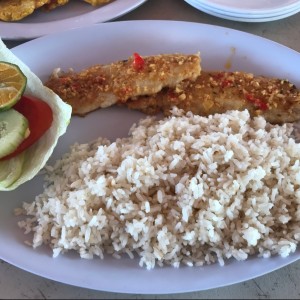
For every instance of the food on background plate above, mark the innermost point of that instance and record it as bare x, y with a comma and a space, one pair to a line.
101, 86
32, 118
277, 100
54, 3
182, 190
15, 10
97, 2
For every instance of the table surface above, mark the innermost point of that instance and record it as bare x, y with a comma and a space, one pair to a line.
280, 284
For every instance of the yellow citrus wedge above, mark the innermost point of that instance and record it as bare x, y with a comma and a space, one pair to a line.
12, 85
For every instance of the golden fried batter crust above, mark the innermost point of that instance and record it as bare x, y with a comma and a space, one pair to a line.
104, 85
55, 3
97, 2
216, 92
14, 10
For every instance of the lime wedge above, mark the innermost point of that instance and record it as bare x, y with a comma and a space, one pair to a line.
12, 84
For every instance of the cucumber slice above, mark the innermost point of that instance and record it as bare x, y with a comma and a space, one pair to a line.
13, 130
11, 170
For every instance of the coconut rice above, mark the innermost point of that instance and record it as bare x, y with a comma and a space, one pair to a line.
182, 190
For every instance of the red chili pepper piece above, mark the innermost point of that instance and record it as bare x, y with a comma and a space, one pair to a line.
218, 76
226, 83
172, 95
138, 62
257, 102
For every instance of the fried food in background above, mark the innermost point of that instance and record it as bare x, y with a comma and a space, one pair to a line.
15, 10
55, 3
100, 86
97, 2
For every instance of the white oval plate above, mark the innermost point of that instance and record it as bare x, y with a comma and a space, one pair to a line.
75, 14
105, 43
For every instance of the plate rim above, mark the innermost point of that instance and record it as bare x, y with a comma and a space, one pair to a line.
261, 11
241, 18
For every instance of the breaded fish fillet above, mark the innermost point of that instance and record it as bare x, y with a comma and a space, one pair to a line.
216, 92
104, 85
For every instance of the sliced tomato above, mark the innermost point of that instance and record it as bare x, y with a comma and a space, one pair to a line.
39, 116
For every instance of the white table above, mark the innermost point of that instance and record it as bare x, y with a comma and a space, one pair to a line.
280, 284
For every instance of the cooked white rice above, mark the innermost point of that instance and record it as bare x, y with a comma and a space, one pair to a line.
185, 189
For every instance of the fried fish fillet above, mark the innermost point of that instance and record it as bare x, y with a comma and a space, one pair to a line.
104, 85
216, 92
14, 10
